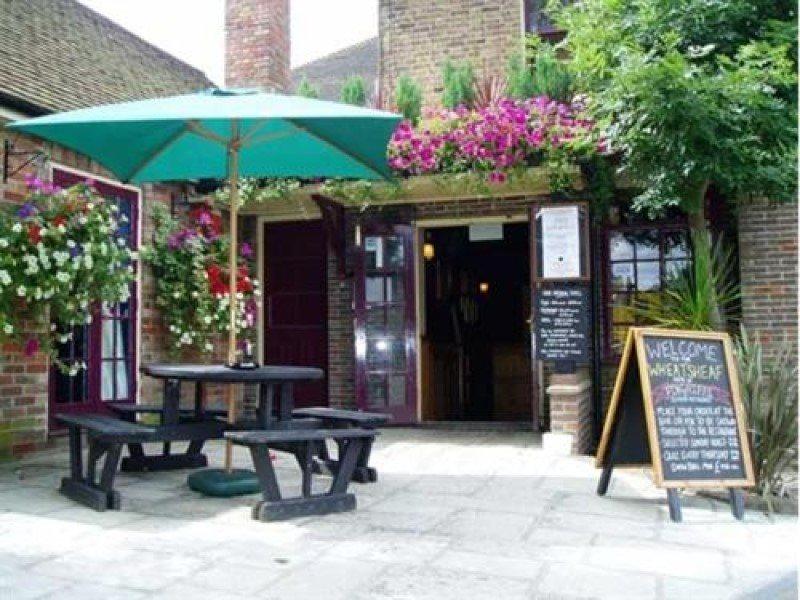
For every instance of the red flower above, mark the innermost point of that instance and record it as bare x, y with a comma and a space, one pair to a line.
215, 280
34, 234
60, 220
243, 282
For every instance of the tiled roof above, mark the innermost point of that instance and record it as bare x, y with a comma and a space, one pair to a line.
328, 73
59, 55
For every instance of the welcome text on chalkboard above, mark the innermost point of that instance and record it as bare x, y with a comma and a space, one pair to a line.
676, 405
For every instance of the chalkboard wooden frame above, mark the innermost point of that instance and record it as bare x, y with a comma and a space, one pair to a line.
635, 343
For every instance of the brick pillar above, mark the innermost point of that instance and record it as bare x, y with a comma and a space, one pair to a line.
570, 413
257, 44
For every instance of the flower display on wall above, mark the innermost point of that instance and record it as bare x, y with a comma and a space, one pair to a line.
494, 139
62, 256
190, 263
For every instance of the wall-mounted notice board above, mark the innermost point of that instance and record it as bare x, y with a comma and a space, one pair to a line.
676, 405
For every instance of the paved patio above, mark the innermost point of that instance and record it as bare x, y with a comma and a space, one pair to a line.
455, 515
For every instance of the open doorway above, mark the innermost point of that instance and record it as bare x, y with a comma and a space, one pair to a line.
475, 334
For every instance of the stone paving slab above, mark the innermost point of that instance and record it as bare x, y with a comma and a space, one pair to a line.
455, 514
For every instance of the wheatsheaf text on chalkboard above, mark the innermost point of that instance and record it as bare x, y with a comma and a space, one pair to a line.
695, 418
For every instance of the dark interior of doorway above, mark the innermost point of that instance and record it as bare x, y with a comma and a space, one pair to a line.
476, 363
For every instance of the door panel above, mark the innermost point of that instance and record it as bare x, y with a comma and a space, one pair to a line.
296, 302
386, 323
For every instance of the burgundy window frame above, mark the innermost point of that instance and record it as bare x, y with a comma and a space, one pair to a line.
94, 401
662, 227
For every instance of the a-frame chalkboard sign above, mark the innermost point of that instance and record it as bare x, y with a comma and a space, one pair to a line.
676, 406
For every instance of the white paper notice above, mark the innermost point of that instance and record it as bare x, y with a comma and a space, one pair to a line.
561, 243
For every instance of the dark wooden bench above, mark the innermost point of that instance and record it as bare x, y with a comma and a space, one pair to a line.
335, 418
106, 436
130, 411
303, 444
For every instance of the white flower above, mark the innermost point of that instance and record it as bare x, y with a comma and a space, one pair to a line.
38, 293
21, 290
8, 328
176, 294
5, 278
62, 276
70, 243
209, 346
87, 260
3, 243
16, 228
43, 231
207, 320
82, 220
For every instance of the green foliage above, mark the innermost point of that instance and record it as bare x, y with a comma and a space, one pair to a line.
769, 393
539, 72
306, 90
458, 84
354, 91
520, 78
254, 190
408, 98
701, 297
692, 93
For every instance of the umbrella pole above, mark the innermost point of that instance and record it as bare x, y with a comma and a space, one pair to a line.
233, 174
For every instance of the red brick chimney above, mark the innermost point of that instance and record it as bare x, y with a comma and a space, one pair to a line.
257, 44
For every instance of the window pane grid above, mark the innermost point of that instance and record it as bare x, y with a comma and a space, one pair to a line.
641, 261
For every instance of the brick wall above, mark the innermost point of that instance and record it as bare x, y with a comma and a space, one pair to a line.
768, 264
257, 44
417, 37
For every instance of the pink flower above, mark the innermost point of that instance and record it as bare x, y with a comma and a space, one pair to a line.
246, 250
31, 347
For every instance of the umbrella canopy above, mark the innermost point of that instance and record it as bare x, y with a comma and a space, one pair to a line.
188, 137
225, 134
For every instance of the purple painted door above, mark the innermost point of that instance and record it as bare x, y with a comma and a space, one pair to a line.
296, 302
386, 323
108, 344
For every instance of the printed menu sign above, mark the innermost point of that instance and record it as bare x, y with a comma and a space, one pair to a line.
695, 418
561, 243
562, 323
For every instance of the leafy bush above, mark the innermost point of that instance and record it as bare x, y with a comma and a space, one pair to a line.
769, 393
459, 85
539, 72
703, 296
305, 89
354, 91
520, 78
408, 98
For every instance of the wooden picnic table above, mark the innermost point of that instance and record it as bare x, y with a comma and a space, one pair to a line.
276, 384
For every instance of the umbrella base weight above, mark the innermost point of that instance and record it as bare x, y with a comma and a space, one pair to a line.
293, 508
222, 483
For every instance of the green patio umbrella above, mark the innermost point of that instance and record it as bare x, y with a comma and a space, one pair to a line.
225, 134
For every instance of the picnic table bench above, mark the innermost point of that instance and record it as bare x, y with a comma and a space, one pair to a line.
106, 436
335, 418
303, 444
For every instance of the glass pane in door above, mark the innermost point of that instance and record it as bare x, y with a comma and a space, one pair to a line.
385, 326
